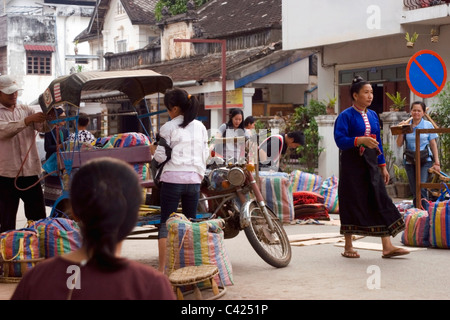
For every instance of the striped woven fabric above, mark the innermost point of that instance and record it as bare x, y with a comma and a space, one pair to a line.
142, 170
329, 191
57, 236
275, 188
17, 245
304, 181
417, 228
123, 140
195, 244
439, 213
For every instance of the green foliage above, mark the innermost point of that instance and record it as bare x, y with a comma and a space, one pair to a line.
397, 100
303, 119
411, 38
400, 174
259, 125
390, 158
175, 6
441, 115
331, 102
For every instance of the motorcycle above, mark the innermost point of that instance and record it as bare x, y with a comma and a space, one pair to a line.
230, 191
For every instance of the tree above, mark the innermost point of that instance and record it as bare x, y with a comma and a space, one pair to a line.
175, 6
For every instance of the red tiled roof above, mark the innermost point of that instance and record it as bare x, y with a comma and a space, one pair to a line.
37, 47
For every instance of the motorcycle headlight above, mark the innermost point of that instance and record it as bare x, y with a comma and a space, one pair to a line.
236, 176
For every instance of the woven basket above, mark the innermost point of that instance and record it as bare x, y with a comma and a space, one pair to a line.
200, 277
193, 274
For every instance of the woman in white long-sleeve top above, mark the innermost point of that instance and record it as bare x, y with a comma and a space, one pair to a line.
183, 173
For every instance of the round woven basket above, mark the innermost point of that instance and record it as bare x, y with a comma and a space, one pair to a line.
193, 275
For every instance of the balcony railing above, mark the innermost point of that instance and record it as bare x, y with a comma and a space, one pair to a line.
132, 59
417, 4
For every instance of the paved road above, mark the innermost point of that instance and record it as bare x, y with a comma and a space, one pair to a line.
319, 271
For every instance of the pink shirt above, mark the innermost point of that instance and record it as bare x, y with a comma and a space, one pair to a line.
15, 140
181, 177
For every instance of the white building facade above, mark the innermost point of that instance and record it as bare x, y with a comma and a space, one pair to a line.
367, 38
36, 42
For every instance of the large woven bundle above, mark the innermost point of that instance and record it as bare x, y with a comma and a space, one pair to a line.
57, 236
329, 191
439, 213
123, 140
195, 244
417, 228
304, 181
18, 246
275, 188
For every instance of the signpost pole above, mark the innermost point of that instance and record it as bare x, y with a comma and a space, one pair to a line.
426, 75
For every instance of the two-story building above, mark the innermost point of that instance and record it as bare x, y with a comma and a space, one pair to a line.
260, 77
36, 41
367, 38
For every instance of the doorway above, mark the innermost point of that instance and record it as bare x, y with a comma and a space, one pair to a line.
381, 102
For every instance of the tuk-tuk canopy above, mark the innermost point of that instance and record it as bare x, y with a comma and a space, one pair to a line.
136, 84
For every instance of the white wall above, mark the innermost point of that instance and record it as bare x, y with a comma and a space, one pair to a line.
329, 157
119, 27
390, 51
68, 27
68, 24
311, 23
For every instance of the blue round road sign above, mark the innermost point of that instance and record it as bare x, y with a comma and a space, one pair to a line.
426, 73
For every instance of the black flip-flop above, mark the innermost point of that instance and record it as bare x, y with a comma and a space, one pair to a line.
395, 253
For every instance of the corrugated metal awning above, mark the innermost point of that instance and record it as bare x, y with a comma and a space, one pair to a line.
38, 47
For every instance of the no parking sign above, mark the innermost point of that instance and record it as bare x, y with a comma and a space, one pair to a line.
426, 73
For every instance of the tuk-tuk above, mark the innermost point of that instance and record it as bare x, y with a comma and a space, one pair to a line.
69, 92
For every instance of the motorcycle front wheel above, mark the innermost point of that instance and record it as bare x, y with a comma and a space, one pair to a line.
273, 247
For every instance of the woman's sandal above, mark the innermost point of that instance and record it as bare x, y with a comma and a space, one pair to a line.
395, 253
350, 254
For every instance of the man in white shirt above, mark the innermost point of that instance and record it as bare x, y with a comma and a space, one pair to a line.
20, 165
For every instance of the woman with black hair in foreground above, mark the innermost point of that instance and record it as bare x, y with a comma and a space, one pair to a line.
105, 195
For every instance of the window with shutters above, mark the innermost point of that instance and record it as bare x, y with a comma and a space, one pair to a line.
39, 63
121, 46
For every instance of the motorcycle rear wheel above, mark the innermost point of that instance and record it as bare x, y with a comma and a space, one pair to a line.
274, 248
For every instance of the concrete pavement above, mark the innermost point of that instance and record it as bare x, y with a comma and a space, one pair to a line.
319, 271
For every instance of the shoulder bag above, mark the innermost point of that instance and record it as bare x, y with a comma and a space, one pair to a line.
157, 167
410, 155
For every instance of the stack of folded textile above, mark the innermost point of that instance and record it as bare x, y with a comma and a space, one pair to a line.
309, 205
